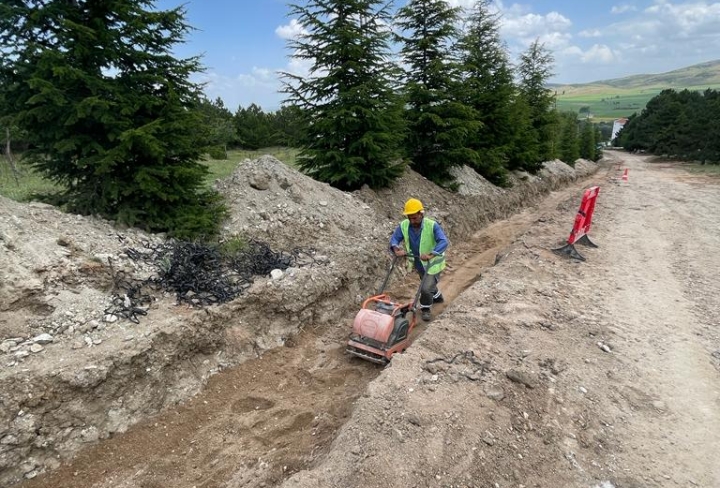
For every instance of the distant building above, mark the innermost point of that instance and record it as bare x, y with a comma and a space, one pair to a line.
617, 125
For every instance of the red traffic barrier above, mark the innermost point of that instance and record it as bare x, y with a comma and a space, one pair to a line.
581, 227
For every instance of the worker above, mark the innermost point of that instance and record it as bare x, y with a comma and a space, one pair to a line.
425, 240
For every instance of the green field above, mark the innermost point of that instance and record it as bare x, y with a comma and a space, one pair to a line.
609, 103
30, 183
621, 97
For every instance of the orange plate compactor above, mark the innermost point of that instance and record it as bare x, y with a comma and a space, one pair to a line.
382, 326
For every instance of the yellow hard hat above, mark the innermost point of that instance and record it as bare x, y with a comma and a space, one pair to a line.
413, 206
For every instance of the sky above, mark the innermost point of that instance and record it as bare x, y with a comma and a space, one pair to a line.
243, 44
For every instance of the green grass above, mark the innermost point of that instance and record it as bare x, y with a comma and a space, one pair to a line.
221, 168
608, 103
622, 97
29, 182
704, 169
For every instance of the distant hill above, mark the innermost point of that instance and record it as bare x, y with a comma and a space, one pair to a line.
621, 97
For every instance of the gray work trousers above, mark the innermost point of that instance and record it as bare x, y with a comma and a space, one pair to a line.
429, 291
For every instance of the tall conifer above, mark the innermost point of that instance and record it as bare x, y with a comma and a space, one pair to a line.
489, 89
352, 114
440, 125
534, 70
108, 110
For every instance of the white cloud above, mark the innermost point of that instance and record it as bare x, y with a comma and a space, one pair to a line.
290, 31
260, 86
529, 26
467, 4
668, 31
690, 19
667, 35
590, 33
554, 40
621, 9
598, 53
299, 67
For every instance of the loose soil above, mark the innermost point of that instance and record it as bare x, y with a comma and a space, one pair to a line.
537, 371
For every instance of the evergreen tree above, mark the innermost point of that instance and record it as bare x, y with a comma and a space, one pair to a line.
109, 111
352, 115
710, 148
488, 88
588, 145
569, 148
524, 150
535, 68
683, 125
217, 126
287, 124
254, 128
440, 126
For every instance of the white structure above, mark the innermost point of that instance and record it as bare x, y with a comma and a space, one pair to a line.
617, 125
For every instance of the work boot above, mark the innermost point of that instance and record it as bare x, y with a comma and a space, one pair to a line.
439, 299
426, 314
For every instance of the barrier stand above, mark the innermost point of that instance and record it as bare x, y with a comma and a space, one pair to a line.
581, 227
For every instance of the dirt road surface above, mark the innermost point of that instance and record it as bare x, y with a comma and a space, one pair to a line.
538, 371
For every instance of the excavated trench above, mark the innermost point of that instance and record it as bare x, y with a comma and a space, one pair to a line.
257, 423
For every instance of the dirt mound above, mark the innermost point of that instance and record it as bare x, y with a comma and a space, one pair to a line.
75, 374
272, 202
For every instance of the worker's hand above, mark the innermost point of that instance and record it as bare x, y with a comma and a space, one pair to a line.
400, 252
426, 257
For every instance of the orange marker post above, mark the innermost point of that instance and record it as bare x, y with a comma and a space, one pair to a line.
583, 221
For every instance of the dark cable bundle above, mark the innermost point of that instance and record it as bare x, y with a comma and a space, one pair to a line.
198, 274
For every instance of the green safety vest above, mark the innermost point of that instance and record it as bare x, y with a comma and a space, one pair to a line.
427, 244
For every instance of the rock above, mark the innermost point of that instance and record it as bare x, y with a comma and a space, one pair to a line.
495, 393
414, 419
276, 274
35, 348
260, 181
521, 377
43, 339
604, 347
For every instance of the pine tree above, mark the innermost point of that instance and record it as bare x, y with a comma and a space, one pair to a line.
588, 144
217, 127
352, 115
535, 68
569, 147
254, 127
439, 124
524, 150
287, 123
108, 109
488, 88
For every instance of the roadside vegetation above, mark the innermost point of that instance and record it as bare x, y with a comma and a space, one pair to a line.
108, 122
681, 125
612, 103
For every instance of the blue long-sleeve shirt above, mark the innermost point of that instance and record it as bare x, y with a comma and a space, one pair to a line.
441, 241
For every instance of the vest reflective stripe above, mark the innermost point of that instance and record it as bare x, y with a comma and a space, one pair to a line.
427, 244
